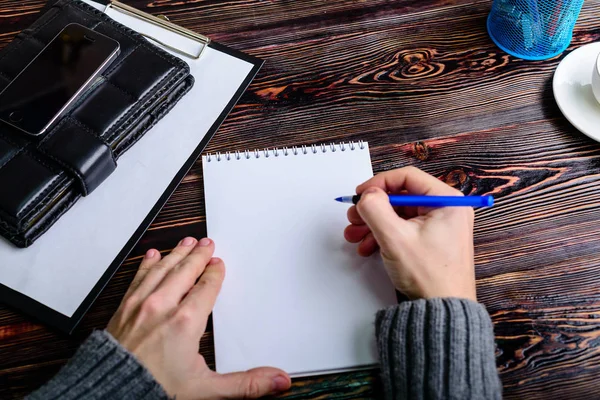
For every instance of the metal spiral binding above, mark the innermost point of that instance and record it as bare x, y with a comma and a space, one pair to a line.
285, 151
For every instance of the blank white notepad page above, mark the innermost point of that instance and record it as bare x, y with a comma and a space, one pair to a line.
296, 295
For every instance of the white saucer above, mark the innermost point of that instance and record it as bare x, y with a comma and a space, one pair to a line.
572, 86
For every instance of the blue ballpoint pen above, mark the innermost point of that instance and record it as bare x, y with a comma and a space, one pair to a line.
429, 201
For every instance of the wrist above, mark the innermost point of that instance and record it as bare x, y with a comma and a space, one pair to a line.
457, 291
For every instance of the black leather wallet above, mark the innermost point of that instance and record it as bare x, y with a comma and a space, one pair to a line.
42, 177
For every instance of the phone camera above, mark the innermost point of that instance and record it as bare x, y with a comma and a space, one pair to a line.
16, 116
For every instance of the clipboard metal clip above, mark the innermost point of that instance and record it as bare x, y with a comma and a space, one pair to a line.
163, 22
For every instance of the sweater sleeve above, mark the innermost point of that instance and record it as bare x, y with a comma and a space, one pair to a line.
101, 369
437, 349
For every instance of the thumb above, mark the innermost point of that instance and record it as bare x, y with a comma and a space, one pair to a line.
252, 384
375, 209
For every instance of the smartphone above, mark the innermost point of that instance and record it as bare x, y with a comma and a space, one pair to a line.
42, 91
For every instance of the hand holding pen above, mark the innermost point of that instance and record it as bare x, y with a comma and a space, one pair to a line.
427, 252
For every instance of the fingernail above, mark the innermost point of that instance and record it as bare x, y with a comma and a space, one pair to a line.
280, 383
214, 260
151, 253
188, 241
205, 242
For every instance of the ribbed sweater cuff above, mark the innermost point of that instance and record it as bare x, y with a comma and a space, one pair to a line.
101, 368
437, 348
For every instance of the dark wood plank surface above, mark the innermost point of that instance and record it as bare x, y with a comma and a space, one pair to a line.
423, 83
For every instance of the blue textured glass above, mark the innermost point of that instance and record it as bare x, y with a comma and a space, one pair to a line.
533, 29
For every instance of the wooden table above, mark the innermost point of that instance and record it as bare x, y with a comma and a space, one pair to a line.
423, 83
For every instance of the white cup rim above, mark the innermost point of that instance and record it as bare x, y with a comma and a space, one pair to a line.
596, 79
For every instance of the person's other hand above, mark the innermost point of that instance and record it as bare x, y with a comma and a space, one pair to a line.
427, 252
163, 316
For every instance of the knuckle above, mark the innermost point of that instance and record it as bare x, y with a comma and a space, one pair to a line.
367, 201
251, 388
408, 171
178, 253
183, 318
146, 267
209, 282
153, 305
198, 258
159, 266
191, 265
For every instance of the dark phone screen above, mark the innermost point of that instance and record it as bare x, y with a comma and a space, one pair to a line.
47, 84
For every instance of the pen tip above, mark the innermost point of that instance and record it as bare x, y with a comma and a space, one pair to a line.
339, 199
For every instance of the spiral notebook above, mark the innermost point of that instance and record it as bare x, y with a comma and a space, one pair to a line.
296, 295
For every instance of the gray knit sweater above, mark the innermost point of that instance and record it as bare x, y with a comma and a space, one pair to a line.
429, 349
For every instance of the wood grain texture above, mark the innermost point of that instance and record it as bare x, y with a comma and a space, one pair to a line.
422, 82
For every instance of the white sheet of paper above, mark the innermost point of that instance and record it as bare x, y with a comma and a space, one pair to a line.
296, 296
61, 267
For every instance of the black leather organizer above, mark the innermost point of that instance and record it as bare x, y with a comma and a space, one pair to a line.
42, 177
